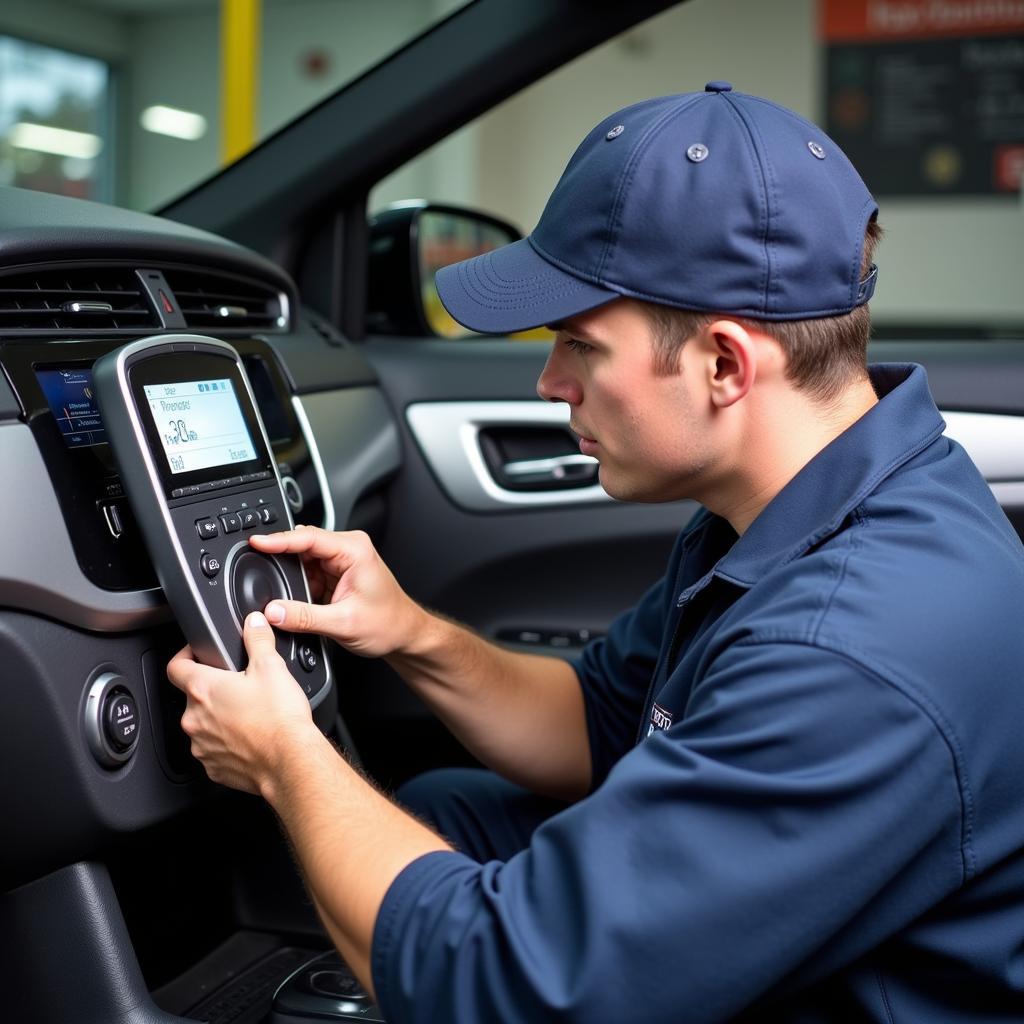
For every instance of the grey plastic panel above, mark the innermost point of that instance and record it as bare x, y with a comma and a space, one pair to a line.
39, 571
10, 408
37, 227
73, 959
357, 441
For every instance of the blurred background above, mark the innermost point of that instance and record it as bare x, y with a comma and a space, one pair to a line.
135, 101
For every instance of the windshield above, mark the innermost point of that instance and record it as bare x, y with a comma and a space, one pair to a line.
134, 102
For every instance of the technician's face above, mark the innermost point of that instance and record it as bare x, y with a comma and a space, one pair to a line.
646, 429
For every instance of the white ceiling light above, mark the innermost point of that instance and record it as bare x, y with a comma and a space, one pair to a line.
181, 124
59, 141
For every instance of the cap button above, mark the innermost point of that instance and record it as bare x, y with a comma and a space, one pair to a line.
718, 87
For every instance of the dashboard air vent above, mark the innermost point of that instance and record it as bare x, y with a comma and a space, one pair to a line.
86, 298
213, 300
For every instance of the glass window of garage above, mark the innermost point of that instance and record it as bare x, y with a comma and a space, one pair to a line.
199, 82
54, 120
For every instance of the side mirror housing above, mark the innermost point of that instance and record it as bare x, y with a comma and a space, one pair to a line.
409, 243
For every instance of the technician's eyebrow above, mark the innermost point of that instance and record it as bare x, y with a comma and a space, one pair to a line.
567, 327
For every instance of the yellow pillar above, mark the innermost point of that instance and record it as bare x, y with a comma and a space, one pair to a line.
239, 76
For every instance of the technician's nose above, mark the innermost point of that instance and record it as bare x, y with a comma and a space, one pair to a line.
555, 383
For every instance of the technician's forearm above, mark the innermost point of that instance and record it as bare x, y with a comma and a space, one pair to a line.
351, 841
521, 714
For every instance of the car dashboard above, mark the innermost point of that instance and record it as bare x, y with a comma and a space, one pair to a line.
79, 599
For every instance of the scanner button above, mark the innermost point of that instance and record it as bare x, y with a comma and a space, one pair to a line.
250, 518
207, 528
267, 514
210, 565
307, 657
231, 522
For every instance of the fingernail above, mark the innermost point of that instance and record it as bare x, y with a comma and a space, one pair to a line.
275, 613
257, 620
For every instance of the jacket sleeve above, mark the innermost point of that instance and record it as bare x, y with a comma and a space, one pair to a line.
801, 812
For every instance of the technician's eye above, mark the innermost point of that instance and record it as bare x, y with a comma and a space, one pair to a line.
575, 345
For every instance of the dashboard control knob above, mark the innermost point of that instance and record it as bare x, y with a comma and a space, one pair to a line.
112, 719
255, 581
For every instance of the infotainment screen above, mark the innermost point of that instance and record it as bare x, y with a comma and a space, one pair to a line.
69, 393
200, 424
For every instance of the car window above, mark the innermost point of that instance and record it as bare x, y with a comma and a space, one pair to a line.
932, 112
168, 121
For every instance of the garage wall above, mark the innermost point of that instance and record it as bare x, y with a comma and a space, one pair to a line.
66, 25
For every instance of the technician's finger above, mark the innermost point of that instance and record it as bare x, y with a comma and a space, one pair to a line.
181, 667
258, 637
298, 616
339, 549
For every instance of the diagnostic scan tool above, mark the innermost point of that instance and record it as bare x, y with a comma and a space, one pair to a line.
201, 477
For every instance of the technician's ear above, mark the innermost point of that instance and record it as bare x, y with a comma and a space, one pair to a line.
732, 362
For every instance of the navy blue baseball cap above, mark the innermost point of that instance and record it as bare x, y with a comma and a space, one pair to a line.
712, 201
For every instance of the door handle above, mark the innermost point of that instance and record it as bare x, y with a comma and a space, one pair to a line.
557, 471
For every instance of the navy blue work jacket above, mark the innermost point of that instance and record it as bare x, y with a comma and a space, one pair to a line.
808, 798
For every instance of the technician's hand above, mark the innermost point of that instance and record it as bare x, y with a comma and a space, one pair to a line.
364, 608
243, 724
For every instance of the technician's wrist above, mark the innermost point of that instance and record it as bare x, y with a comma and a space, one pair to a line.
422, 634
288, 755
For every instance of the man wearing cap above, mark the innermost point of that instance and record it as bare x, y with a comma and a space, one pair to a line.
786, 785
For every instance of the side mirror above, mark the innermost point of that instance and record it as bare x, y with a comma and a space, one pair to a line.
409, 243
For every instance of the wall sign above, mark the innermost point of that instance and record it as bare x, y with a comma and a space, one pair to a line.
927, 96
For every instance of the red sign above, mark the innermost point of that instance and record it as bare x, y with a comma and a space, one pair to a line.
1008, 168
879, 20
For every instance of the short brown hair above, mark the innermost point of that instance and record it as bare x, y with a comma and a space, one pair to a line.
822, 356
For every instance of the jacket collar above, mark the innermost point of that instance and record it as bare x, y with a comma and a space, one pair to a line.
815, 502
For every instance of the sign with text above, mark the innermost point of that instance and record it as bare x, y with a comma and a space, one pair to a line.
927, 96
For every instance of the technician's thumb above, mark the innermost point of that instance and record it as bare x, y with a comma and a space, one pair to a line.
296, 616
258, 636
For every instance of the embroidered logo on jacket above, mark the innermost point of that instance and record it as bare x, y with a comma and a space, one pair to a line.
660, 719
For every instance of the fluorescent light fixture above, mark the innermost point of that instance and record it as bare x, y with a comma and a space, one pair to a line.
59, 141
180, 124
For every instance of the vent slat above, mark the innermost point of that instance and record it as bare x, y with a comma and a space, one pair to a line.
37, 300
32, 300
201, 293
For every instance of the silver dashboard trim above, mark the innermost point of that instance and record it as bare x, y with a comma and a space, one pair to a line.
448, 435
993, 440
318, 465
39, 571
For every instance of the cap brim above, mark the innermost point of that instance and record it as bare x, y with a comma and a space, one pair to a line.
514, 289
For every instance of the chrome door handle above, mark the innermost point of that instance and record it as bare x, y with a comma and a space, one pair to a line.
561, 469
